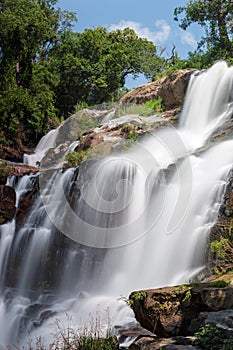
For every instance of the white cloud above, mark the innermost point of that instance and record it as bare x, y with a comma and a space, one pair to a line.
188, 38
157, 37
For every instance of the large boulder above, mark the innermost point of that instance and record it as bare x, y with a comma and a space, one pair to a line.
171, 89
175, 311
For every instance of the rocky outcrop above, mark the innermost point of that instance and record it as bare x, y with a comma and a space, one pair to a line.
7, 203
116, 132
174, 314
171, 89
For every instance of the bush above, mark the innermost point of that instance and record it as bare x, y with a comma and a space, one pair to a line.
155, 105
212, 338
74, 159
137, 296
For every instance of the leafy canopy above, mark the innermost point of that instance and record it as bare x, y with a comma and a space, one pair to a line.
93, 65
215, 17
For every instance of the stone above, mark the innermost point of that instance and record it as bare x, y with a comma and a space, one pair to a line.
223, 229
169, 311
7, 203
26, 202
222, 319
171, 89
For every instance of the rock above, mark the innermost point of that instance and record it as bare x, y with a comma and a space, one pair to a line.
7, 203
134, 332
147, 343
169, 311
171, 89
110, 137
14, 154
221, 319
116, 135
25, 202
222, 261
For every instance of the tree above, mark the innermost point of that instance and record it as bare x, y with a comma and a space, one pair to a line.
28, 30
93, 65
216, 17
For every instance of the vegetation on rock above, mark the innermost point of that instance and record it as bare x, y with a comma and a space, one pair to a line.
212, 338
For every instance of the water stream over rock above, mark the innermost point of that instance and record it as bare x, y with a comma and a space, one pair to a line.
127, 222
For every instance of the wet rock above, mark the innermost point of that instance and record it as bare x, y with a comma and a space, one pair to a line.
26, 202
221, 319
7, 203
169, 311
133, 334
222, 261
176, 343
14, 154
171, 89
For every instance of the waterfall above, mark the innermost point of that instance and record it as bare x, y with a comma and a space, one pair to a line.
127, 222
48, 141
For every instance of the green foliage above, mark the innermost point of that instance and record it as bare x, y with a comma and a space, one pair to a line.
29, 28
155, 105
93, 65
219, 284
212, 338
137, 296
137, 109
215, 17
188, 296
4, 169
79, 106
74, 159
71, 339
218, 247
49, 72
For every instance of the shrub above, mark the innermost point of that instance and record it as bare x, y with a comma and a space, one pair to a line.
155, 105
74, 159
137, 296
219, 247
212, 338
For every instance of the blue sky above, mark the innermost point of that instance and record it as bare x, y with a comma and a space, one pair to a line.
152, 19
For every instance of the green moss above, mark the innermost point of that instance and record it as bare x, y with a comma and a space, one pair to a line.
219, 247
137, 296
74, 159
5, 169
219, 284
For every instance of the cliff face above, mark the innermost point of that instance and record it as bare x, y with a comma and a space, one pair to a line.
171, 89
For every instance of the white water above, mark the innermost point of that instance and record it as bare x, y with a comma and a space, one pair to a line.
48, 141
141, 220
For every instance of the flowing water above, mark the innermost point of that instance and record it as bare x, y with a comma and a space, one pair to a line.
129, 222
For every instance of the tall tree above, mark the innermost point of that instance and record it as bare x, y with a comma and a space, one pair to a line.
94, 64
28, 29
216, 17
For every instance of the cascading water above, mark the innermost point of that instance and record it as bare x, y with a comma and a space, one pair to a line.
138, 220
48, 141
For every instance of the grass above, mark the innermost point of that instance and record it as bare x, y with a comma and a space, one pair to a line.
69, 338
